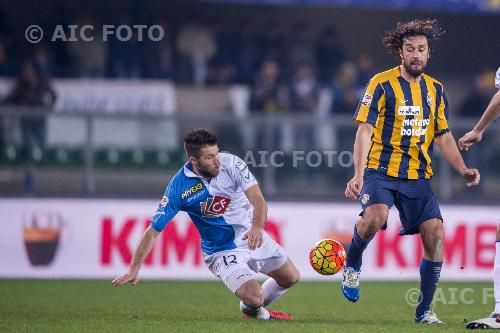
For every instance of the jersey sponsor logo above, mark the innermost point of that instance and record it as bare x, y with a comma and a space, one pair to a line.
367, 100
420, 130
416, 122
413, 131
196, 196
163, 202
215, 207
191, 191
411, 110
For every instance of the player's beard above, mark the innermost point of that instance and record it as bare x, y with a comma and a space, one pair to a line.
415, 72
206, 172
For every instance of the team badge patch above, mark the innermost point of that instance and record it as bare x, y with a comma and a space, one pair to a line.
367, 100
365, 198
163, 202
429, 100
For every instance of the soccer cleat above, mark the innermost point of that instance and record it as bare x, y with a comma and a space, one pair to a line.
350, 284
490, 322
430, 318
277, 315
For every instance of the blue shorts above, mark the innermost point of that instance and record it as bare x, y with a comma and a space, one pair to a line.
414, 199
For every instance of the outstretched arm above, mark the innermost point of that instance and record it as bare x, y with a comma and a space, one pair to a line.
142, 251
448, 147
492, 112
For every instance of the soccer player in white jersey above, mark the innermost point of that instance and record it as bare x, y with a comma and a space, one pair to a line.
490, 114
222, 197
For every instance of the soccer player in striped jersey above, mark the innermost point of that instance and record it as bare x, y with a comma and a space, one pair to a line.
474, 136
402, 114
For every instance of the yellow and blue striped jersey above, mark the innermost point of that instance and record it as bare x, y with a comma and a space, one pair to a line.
406, 118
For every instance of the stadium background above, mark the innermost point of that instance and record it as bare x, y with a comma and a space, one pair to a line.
87, 150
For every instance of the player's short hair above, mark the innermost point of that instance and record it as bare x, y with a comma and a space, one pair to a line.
393, 40
198, 138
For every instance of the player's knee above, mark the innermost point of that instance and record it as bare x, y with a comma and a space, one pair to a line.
290, 280
253, 297
370, 224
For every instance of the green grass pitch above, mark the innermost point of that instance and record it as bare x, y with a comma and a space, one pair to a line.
207, 306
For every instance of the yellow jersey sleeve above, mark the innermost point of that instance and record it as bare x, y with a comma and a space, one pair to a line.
441, 127
371, 104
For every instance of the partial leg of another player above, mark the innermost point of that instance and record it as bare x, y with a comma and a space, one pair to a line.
493, 321
374, 217
432, 235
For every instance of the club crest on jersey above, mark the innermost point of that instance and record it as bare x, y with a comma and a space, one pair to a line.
367, 99
191, 191
429, 100
215, 207
365, 198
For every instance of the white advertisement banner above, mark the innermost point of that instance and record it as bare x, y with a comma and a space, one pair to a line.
80, 238
156, 97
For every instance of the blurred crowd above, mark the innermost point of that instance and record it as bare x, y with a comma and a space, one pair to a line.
287, 67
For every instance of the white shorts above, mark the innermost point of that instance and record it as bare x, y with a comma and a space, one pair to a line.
240, 265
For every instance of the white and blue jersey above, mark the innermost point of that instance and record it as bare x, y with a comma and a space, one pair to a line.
219, 208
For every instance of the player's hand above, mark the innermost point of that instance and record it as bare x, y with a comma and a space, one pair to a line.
469, 139
130, 276
254, 236
353, 187
472, 176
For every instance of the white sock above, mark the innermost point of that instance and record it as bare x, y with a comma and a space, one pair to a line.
496, 277
259, 313
272, 291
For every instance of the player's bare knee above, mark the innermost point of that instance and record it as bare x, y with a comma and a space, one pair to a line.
370, 224
290, 280
252, 296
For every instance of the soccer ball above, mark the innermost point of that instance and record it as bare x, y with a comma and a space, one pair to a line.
327, 257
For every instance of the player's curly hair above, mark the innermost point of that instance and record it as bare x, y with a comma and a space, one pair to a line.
393, 40
198, 138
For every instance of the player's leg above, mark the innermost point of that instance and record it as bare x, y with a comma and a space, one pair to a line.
496, 274
271, 259
372, 219
279, 281
376, 199
252, 300
432, 235
493, 321
419, 213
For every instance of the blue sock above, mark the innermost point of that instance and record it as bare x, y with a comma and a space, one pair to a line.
429, 278
355, 251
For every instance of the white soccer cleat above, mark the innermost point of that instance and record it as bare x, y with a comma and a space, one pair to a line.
429, 318
490, 322
350, 284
